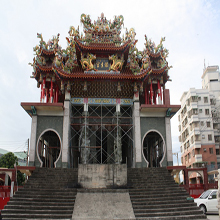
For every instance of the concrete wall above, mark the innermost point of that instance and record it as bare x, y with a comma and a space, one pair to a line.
156, 124
47, 123
102, 175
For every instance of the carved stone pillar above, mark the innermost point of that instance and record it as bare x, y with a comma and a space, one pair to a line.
117, 138
84, 141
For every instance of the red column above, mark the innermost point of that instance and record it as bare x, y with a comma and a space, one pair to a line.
155, 96
159, 92
57, 93
47, 95
51, 91
146, 96
43, 93
151, 93
205, 179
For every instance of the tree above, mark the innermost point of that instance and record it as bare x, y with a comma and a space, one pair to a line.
8, 161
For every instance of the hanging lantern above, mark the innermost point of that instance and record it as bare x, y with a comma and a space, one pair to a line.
68, 86
85, 86
135, 87
53, 78
119, 87
141, 87
62, 86
41, 78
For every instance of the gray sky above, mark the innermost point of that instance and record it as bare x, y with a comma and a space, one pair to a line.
191, 28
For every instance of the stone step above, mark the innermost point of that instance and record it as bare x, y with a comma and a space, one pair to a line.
188, 217
38, 206
41, 203
36, 216
159, 196
43, 193
167, 205
150, 188
49, 190
38, 211
165, 199
172, 213
167, 209
20, 199
170, 201
160, 190
26, 196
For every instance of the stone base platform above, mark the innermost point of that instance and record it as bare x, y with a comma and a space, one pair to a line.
103, 204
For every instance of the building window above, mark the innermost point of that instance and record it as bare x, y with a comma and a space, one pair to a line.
204, 149
208, 124
186, 158
181, 149
207, 111
203, 136
205, 99
189, 156
202, 123
193, 153
182, 160
217, 151
199, 98
200, 110
209, 137
211, 150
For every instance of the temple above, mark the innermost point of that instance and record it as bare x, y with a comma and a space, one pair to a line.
102, 101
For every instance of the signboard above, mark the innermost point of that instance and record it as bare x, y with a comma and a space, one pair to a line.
99, 101
102, 64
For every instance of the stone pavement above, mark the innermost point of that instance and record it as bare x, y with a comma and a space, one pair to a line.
213, 217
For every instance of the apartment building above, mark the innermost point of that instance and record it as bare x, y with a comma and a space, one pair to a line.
199, 122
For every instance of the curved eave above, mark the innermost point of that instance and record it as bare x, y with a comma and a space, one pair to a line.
48, 52
102, 46
97, 75
79, 73
159, 71
45, 68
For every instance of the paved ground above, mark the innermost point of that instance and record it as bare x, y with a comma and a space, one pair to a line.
213, 217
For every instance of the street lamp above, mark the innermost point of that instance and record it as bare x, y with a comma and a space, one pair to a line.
176, 154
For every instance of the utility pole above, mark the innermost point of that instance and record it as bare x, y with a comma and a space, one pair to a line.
27, 151
176, 154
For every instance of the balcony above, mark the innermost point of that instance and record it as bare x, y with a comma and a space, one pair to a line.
198, 158
195, 118
196, 130
197, 144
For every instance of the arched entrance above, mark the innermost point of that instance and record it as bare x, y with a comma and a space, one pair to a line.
48, 148
153, 149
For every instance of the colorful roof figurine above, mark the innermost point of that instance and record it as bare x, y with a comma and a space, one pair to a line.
100, 54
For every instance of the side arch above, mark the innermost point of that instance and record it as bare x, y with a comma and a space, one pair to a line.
161, 157
40, 141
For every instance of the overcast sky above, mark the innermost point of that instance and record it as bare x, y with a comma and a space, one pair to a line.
191, 28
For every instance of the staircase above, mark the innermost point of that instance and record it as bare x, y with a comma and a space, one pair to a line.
49, 194
155, 195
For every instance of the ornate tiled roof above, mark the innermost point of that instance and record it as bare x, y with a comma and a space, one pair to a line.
101, 42
103, 46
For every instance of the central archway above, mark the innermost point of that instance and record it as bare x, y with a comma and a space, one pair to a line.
153, 149
49, 148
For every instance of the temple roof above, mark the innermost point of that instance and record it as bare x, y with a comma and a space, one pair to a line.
100, 54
